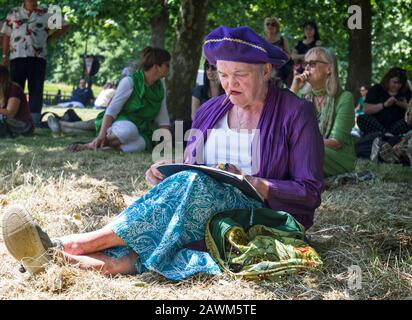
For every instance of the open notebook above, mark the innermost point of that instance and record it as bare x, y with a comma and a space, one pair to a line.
236, 180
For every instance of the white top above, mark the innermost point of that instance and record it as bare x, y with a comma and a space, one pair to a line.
123, 93
104, 98
224, 145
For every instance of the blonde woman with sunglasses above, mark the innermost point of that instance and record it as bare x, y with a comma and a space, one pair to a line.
272, 35
335, 113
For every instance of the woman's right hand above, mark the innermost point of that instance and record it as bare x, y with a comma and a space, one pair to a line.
154, 176
299, 81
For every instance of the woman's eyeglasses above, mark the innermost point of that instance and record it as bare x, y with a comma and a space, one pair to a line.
272, 24
312, 63
211, 67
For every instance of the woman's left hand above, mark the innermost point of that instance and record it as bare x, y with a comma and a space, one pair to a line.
154, 176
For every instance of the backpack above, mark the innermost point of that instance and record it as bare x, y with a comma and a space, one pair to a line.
363, 147
71, 116
10, 127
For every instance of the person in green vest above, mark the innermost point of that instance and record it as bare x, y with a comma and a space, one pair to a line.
319, 83
137, 109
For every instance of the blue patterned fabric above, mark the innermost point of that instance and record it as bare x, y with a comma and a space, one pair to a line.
171, 215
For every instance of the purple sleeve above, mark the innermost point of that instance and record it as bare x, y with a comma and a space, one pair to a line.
306, 151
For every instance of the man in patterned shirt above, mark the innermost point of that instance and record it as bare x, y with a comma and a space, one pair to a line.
26, 34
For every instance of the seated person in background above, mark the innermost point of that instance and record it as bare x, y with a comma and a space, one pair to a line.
104, 97
211, 88
359, 110
80, 98
385, 105
359, 107
136, 110
14, 110
319, 83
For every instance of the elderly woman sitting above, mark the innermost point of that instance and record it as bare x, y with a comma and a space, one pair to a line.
334, 108
161, 230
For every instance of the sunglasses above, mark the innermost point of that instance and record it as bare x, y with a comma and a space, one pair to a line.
273, 24
211, 67
312, 64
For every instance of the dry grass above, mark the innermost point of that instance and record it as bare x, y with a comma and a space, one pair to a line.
366, 224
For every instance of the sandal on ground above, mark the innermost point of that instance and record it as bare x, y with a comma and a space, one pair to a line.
25, 240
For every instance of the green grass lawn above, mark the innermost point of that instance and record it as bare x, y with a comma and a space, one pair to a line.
51, 88
66, 89
365, 224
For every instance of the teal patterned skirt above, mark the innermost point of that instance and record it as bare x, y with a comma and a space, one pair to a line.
173, 214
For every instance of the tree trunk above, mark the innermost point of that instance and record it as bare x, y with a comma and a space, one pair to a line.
159, 25
360, 51
187, 50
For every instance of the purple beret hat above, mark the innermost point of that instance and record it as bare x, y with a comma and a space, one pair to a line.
241, 44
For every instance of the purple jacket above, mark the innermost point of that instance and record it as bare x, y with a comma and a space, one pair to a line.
291, 153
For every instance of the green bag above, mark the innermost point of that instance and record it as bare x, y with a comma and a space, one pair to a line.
259, 244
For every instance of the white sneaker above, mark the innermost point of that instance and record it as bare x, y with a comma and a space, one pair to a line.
54, 124
376, 148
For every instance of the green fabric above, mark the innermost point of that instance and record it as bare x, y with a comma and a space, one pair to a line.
342, 160
361, 102
141, 108
259, 244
